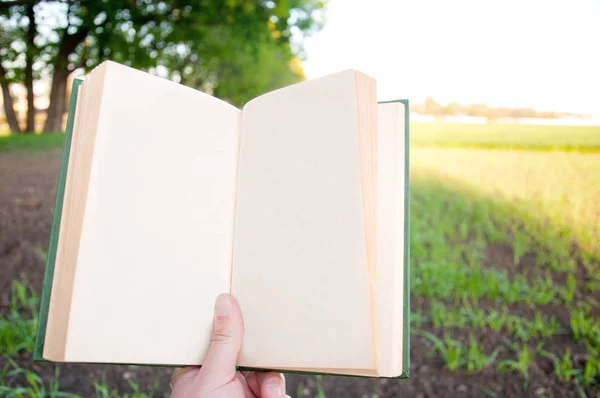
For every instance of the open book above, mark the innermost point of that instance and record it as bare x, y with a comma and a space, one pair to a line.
297, 205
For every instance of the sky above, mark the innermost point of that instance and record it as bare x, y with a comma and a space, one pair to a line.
516, 53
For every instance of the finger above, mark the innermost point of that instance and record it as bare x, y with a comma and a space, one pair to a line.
272, 385
218, 367
247, 391
253, 383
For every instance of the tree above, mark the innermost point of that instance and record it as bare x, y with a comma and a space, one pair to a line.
188, 39
18, 49
7, 77
241, 78
30, 53
7, 98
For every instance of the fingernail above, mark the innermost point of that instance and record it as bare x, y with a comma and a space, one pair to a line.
276, 390
223, 305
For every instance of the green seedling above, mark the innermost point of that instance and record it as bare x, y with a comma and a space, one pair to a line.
477, 359
544, 326
585, 329
104, 391
34, 386
497, 320
524, 358
517, 326
451, 351
563, 366
320, 389
17, 327
520, 245
417, 319
567, 292
590, 375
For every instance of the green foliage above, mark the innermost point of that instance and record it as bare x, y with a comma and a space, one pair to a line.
496, 319
204, 44
18, 325
567, 292
565, 369
525, 357
563, 366
471, 358
465, 316
544, 326
451, 351
104, 391
506, 136
149, 33
255, 72
591, 370
320, 390
585, 329
417, 319
34, 386
477, 359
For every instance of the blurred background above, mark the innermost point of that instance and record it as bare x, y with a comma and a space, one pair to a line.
505, 169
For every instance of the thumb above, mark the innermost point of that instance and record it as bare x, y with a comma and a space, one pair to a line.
227, 336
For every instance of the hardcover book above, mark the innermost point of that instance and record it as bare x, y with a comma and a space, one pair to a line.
296, 204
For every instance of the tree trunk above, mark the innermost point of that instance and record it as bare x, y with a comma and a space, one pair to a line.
58, 92
9, 111
29, 55
58, 97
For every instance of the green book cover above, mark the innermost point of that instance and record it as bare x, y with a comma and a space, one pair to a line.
56, 220
55, 228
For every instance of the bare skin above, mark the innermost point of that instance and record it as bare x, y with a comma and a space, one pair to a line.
218, 376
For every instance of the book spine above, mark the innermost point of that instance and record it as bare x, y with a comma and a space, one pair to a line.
406, 315
55, 228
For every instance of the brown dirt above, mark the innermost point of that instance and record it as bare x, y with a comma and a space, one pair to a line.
28, 184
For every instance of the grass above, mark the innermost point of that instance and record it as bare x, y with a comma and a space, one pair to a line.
31, 141
506, 136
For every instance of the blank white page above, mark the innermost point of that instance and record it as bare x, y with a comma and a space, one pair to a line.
390, 235
156, 243
299, 265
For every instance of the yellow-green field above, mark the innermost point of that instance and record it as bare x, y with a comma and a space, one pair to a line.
560, 191
508, 136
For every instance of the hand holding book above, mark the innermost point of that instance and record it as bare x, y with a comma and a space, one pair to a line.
218, 377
